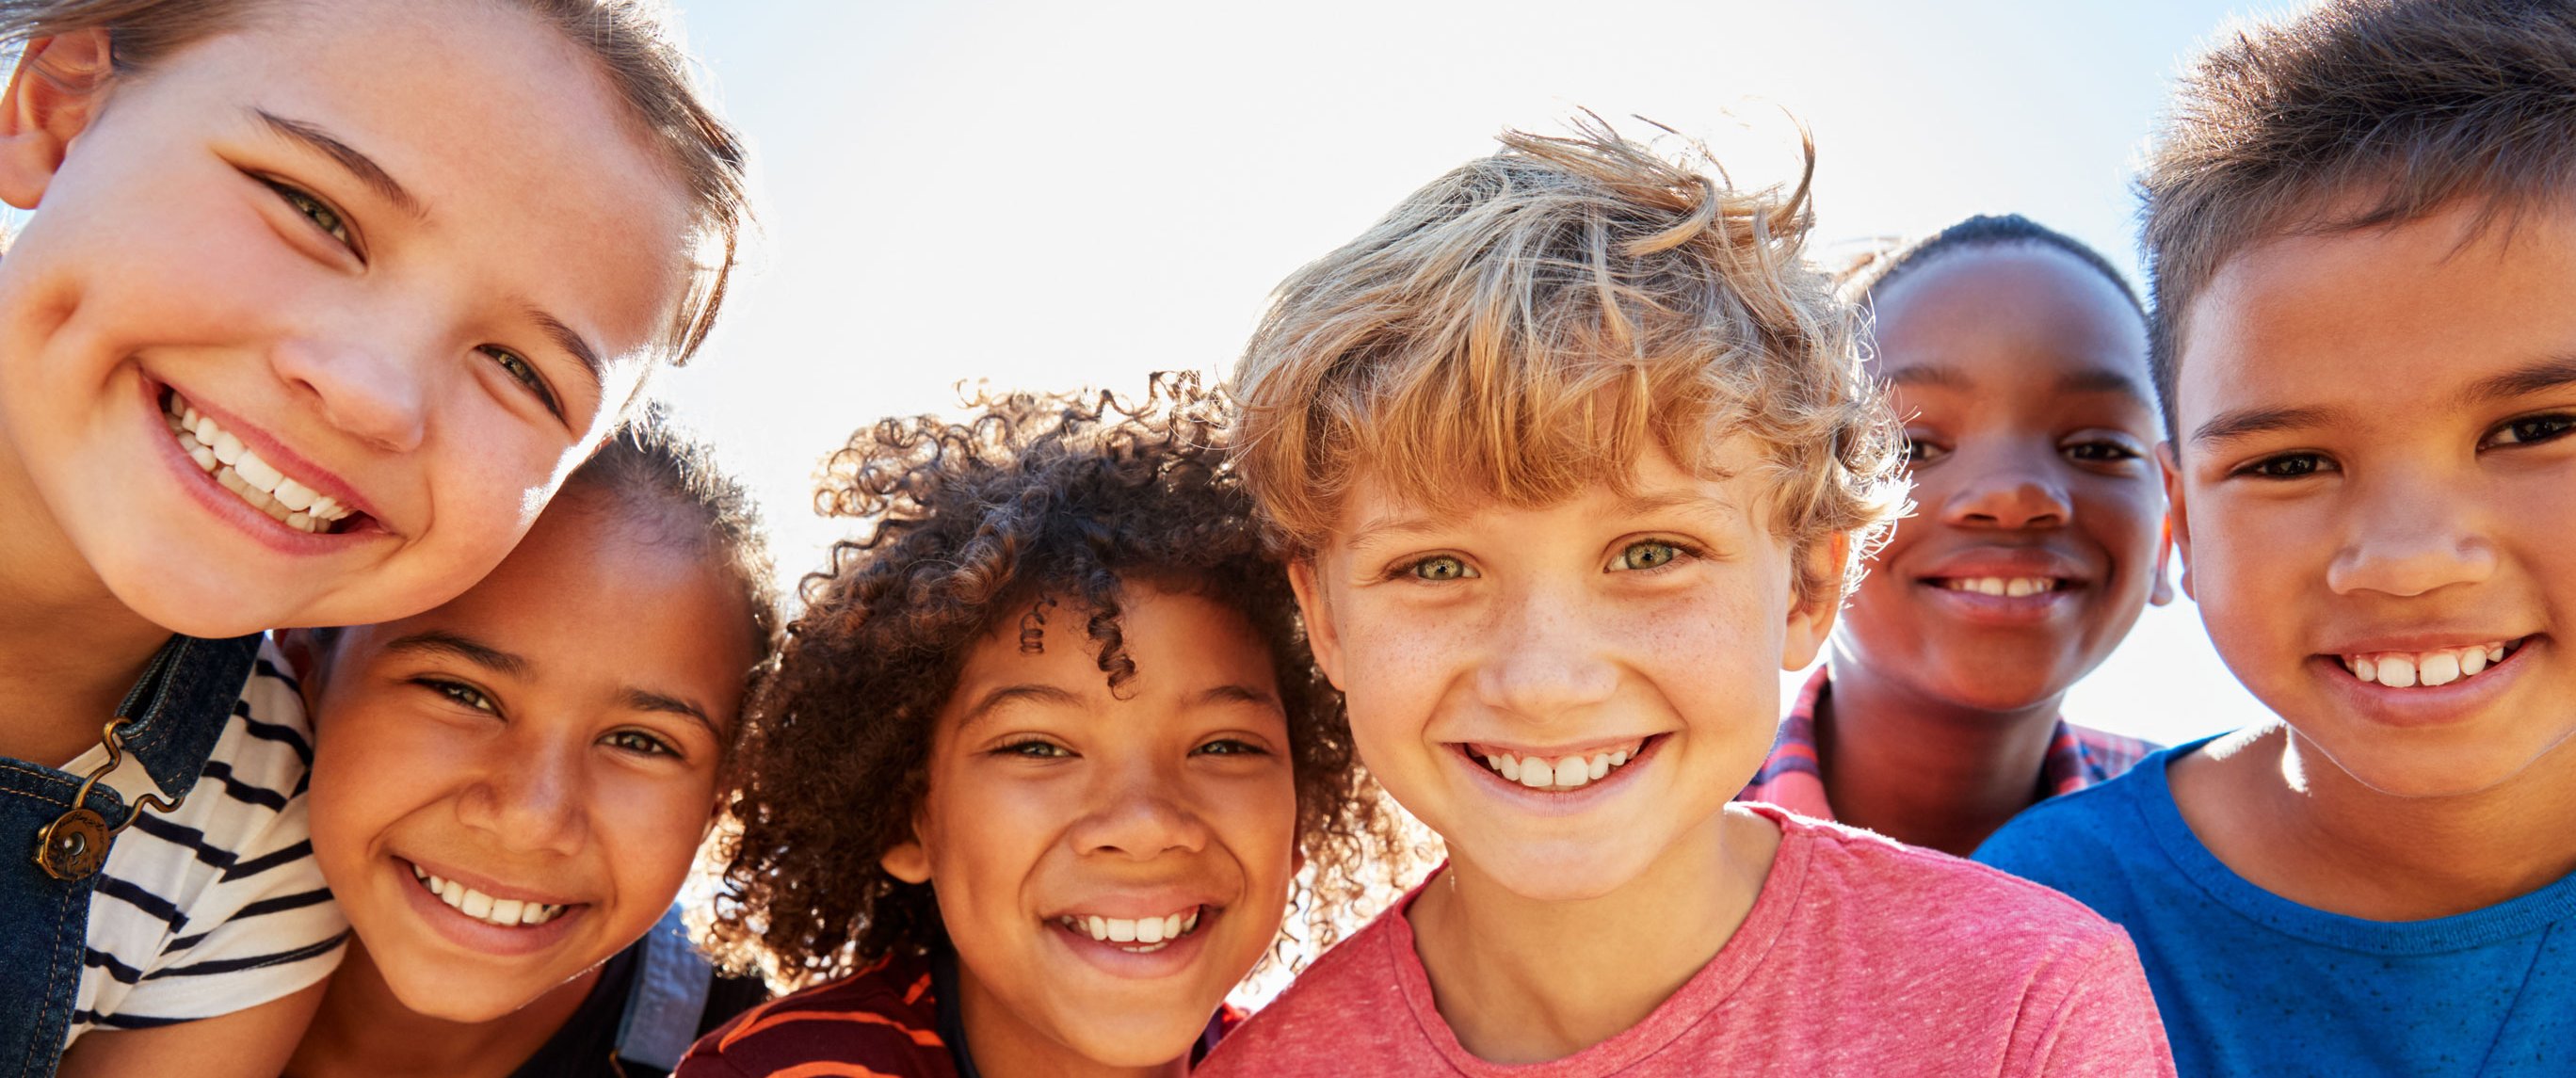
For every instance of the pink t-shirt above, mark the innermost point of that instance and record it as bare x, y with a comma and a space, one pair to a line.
1860, 956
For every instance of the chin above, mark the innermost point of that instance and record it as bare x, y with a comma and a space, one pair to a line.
1574, 875
466, 1000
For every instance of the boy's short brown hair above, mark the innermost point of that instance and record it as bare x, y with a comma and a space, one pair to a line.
2358, 114
1524, 326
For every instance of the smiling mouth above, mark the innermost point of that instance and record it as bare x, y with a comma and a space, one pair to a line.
1134, 935
1556, 774
2009, 587
2428, 669
497, 912
255, 481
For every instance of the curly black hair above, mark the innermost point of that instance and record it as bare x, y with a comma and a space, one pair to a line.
1050, 499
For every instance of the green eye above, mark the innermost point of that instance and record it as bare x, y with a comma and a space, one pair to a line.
524, 373
1441, 567
1647, 555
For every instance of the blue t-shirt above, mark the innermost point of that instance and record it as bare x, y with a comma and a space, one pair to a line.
2253, 983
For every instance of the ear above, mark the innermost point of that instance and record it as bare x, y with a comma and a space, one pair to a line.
57, 90
310, 660
1323, 635
907, 861
1811, 618
2161, 593
2177, 521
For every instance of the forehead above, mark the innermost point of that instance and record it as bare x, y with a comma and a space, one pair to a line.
1733, 489
2422, 312
591, 596
537, 179
2015, 304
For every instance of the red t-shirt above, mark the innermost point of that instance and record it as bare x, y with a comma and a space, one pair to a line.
1860, 956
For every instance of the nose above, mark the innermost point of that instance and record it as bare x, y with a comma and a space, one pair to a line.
376, 395
1547, 658
1138, 813
528, 797
2408, 536
2009, 494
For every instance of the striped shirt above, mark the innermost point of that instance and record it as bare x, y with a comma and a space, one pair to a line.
1792, 778
898, 1018
218, 906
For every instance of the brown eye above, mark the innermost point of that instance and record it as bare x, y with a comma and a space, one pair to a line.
524, 373
314, 210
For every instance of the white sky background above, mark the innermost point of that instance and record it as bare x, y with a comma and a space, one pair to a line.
1050, 195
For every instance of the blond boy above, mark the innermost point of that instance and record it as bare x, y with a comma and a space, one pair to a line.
1570, 453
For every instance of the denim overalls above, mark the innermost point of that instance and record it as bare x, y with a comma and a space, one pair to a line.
179, 709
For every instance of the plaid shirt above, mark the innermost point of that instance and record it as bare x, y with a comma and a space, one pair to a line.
2077, 758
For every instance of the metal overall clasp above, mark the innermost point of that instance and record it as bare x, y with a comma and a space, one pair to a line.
75, 844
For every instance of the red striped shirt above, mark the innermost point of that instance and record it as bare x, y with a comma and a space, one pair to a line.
1792, 778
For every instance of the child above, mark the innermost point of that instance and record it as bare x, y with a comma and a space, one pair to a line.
1571, 449
2018, 358
317, 304
509, 789
1041, 762
2362, 243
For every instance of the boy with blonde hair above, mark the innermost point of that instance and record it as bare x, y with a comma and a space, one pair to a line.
2362, 232
1570, 454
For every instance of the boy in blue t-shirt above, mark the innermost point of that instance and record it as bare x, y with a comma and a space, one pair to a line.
2362, 231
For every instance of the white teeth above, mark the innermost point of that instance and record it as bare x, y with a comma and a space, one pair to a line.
1562, 773
242, 472
1149, 934
505, 912
2018, 587
2405, 670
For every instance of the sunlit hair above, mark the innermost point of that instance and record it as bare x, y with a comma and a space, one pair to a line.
2356, 114
636, 43
1044, 502
1525, 326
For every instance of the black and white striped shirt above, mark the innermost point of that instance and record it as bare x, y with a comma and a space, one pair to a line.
219, 906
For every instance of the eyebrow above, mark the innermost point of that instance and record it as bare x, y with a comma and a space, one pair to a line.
2554, 373
358, 164
648, 700
2087, 380
2244, 422
1235, 694
442, 642
1008, 694
570, 341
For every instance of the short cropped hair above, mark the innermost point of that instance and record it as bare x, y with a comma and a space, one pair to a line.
635, 42
2357, 114
1523, 327
1874, 273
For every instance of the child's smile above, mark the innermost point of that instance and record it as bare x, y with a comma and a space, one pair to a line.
1564, 692
264, 475
503, 920
2391, 580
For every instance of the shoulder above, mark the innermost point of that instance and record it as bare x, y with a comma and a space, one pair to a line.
2059, 838
1328, 1002
1860, 885
884, 1018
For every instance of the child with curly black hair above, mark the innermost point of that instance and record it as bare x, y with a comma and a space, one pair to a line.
1045, 754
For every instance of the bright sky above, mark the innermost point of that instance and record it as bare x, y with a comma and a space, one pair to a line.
1050, 195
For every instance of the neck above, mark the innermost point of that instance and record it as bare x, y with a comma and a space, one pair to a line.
363, 1029
71, 650
1925, 771
2274, 809
1513, 990
1006, 1047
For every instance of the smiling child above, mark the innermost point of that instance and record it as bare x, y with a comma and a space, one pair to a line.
304, 328
509, 789
1032, 788
2017, 358
1571, 450
2362, 232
